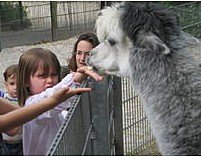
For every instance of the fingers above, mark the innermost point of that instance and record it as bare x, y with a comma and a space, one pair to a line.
65, 93
61, 95
73, 91
88, 70
81, 90
95, 76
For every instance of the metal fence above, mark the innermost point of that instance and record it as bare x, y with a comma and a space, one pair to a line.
45, 21
136, 128
90, 127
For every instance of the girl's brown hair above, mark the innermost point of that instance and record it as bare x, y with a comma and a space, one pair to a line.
28, 65
89, 37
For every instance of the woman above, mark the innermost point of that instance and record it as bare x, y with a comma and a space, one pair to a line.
82, 48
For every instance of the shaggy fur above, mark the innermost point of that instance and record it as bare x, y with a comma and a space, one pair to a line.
143, 42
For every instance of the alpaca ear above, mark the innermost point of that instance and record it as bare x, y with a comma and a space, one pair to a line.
154, 43
160, 45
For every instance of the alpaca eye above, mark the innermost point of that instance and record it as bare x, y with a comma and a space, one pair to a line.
112, 42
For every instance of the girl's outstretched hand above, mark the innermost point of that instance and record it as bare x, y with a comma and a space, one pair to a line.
65, 93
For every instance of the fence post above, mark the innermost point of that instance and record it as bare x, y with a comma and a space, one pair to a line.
118, 121
53, 10
21, 12
100, 118
70, 15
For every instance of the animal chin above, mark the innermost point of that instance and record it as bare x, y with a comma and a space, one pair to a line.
112, 72
100, 71
116, 73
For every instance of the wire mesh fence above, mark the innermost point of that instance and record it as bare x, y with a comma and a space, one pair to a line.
136, 129
45, 21
89, 128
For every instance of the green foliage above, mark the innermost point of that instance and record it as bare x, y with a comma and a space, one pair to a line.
11, 11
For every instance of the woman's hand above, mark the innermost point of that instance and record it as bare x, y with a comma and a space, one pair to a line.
88, 71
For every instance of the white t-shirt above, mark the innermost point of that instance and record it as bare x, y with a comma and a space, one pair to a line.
17, 137
39, 133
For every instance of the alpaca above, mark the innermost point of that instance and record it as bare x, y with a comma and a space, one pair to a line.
141, 41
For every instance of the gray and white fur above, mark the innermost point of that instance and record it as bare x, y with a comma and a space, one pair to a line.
142, 41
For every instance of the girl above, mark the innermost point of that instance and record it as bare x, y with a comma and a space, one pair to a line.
39, 76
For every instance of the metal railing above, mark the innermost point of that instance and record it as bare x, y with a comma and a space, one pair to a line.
136, 128
90, 127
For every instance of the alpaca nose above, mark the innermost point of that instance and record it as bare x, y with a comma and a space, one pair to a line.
88, 62
90, 54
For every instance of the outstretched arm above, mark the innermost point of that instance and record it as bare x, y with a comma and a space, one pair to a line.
16, 117
6, 106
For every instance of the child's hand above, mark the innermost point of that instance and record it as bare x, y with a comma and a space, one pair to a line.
87, 70
65, 93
